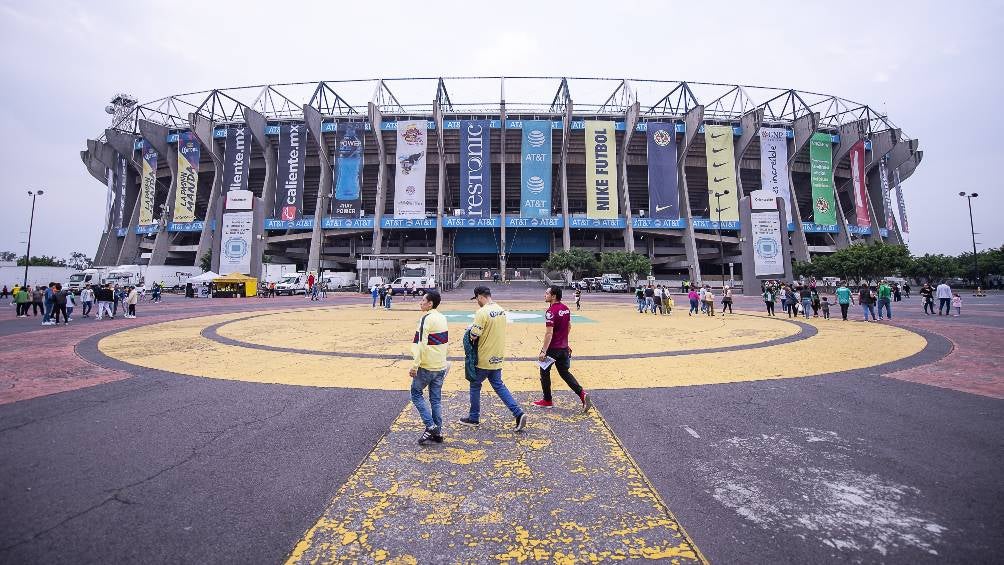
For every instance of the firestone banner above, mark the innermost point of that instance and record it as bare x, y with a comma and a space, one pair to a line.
859, 184
774, 165
288, 204
148, 188
409, 181
903, 223
348, 170
187, 184
475, 169
768, 258
890, 223
663, 180
235, 242
236, 156
824, 207
601, 171
719, 149
535, 171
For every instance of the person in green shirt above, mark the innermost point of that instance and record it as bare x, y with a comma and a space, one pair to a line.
844, 299
22, 300
885, 299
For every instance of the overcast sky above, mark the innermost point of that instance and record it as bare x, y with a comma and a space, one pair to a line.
933, 66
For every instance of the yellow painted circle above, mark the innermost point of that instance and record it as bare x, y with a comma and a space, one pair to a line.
319, 335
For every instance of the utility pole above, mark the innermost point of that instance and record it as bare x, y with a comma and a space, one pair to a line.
972, 228
721, 246
31, 224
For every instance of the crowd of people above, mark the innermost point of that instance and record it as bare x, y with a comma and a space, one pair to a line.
56, 303
875, 301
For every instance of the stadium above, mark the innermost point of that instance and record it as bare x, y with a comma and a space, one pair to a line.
498, 173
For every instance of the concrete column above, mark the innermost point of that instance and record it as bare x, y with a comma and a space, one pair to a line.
125, 144
437, 115
630, 120
566, 134
312, 118
751, 283
376, 119
100, 158
257, 123
502, 211
803, 128
156, 135
750, 124
692, 122
203, 129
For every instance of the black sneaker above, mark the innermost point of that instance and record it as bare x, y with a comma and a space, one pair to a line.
520, 422
469, 422
437, 435
427, 436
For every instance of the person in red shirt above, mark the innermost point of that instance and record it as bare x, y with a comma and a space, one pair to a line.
558, 321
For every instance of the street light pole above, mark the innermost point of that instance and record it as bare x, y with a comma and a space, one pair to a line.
721, 246
31, 224
972, 229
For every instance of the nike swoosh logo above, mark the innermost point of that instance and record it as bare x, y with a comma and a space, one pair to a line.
713, 136
713, 150
716, 165
720, 179
661, 208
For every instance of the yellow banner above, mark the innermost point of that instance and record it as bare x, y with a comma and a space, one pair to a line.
148, 187
720, 152
187, 184
601, 171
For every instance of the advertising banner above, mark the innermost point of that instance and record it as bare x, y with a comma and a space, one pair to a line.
235, 242
348, 170
904, 225
110, 182
859, 185
409, 181
721, 157
886, 196
236, 158
768, 258
187, 184
663, 187
289, 173
774, 165
601, 171
475, 169
824, 207
535, 171
123, 178
148, 188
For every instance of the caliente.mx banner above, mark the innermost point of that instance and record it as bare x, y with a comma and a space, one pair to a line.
148, 186
409, 180
663, 179
123, 179
824, 208
535, 170
890, 223
774, 165
288, 204
475, 169
719, 149
601, 170
859, 185
348, 170
187, 184
110, 182
236, 158
904, 225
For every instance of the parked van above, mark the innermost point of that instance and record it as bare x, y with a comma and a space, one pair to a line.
334, 280
292, 283
419, 285
93, 277
612, 282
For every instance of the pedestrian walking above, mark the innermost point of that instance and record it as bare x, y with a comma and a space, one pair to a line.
375, 294
667, 300
957, 304
884, 299
768, 299
38, 302
381, 293
806, 298
814, 294
944, 293
650, 299
388, 297
897, 294
844, 299
927, 294
105, 298
657, 300
709, 301
86, 301
694, 298
4, 293
486, 341
557, 326
131, 299
22, 299
906, 290
825, 307
866, 298
726, 300
71, 302
578, 298
58, 307
428, 366
639, 295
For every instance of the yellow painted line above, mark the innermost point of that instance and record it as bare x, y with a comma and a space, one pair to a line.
564, 491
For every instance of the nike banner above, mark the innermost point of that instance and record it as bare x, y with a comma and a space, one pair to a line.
663, 179
348, 170
904, 225
890, 223
535, 170
859, 184
720, 152
824, 208
288, 203
774, 165
186, 186
475, 169
409, 181
601, 171
148, 188
237, 158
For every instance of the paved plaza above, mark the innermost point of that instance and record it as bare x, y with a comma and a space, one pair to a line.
281, 430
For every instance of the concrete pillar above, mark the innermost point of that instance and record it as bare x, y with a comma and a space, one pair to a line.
100, 158
257, 123
692, 122
125, 144
803, 128
437, 115
750, 124
376, 119
751, 283
203, 129
312, 118
502, 211
566, 230
630, 121
156, 136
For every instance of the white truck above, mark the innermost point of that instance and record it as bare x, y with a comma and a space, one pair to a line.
94, 276
292, 283
416, 276
334, 280
126, 275
612, 282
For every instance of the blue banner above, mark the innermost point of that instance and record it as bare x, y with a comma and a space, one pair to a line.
195, 226
594, 223
236, 158
496, 221
288, 204
663, 190
475, 169
652, 223
535, 170
348, 170
408, 223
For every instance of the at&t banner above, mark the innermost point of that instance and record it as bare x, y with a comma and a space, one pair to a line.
236, 156
663, 187
903, 223
475, 169
148, 186
289, 173
824, 208
348, 170
601, 171
859, 185
187, 184
409, 181
774, 165
535, 171
719, 149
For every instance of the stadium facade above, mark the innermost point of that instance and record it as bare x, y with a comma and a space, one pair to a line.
322, 174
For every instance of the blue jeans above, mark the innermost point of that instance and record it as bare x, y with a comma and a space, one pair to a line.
868, 308
494, 377
374, 300
433, 380
888, 308
47, 313
387, 300
693, 307
806, 306
641, 305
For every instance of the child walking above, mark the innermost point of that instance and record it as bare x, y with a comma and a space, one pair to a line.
957, 304
825, 306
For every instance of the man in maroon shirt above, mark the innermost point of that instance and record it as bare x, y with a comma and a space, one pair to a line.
558, 320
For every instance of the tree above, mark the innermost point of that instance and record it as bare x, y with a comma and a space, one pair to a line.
932, 267
79, 261
43, 261
860, 262
206, 261
628, 265
579, 261
6, 256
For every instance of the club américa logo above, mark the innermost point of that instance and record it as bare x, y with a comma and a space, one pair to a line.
822, 205
661, 138
412, 134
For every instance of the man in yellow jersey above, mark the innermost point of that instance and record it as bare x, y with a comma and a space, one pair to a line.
488, 337
428, 366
